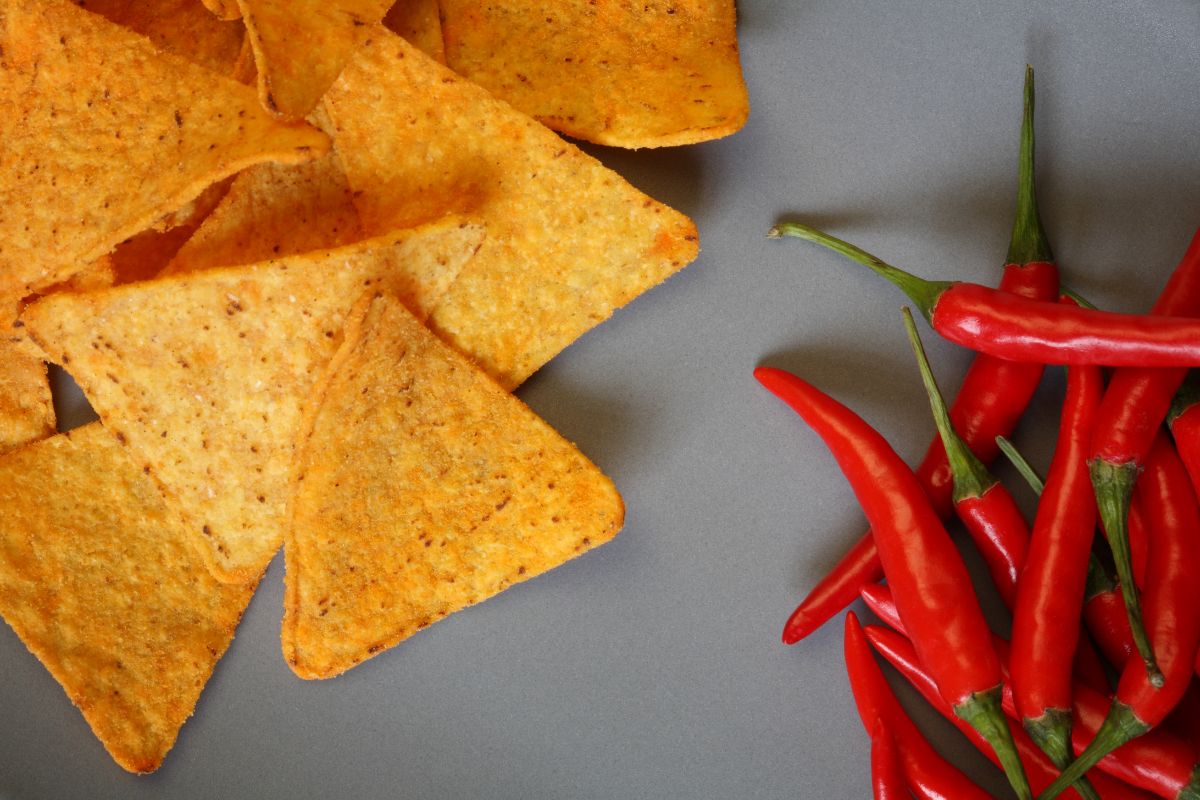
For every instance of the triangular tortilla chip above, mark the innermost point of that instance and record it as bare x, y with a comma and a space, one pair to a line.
300, 46
422, 487
645, 74
103, 585
203, 375
103, 134
568, 242
275, 210
418, 22
183, 27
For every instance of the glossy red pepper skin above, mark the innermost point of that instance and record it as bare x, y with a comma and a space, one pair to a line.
899, 652
1138, 398
993, 396
887, 772
932, 586
1001, 534
1172, 604
929, 581
1050, 597
1158, 762
927, 773
1105, 617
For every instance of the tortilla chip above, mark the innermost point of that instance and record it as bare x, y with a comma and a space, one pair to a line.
645, 74
203, 375
244, 70
223, 9
422, 488
147, 255
104, 134
183, 27
568, 241
273, 211
101, 583
26, 410
300, 46
418, 22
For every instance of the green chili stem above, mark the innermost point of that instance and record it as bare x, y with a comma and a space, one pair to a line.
983, 712
1029, 241
1052, 733
1119, 727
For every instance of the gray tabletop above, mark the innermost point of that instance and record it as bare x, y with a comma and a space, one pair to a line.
652, 668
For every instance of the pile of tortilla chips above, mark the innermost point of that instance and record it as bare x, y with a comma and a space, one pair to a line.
297, 264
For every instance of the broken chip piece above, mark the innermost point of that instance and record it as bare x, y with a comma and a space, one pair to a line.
203, 375
569, 241
422, 487
646, 74
103, 585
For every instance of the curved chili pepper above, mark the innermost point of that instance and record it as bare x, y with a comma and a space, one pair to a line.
899, 652
1134, 407
887, 773
1184, 422
1103, 608
984, 505
933, 589
1184, 720
1045, 630
993, 396
1172, 611
927, 773
1157, 762
1003, 325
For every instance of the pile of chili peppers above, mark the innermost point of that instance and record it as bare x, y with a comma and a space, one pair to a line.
1096, 694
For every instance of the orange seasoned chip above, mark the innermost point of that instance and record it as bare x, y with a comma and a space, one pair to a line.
203, 374
147, 255
422, 487
103, 134
300, 46
275, 210
26, 410
223, 9
103, 585
569, 241
418, 22
631, 74
183, 27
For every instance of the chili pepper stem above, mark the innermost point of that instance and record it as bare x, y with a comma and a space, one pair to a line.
923, 293
1026, 470
983, 712
971, 477
1119, 727
1113, 485
1029, 241
1052, 733
1192, 790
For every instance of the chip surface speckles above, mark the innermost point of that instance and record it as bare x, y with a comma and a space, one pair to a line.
569, 241
103, 585
203, 375
103, 134
422, 487
648, 73
418, 21
300, 46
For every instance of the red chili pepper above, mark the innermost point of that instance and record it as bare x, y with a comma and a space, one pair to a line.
1184, 721
1172, 611
932, 587
1158, 762
993, 396
887, 773
990, 321
984, 505
928, 774
1134, 407
1184, 422
1105, 617
899, 652
1050, 598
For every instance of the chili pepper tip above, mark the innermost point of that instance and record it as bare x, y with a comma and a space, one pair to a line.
1119, 727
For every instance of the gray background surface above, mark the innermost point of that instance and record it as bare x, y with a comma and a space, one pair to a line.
652, 668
